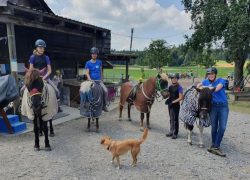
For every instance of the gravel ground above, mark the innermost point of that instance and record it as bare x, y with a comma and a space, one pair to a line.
77, 154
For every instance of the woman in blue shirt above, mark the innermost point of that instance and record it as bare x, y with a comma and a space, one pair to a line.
94, 73
219, 111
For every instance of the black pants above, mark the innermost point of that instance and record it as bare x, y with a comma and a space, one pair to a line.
174, 119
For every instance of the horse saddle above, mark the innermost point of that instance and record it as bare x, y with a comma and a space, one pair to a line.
132, 94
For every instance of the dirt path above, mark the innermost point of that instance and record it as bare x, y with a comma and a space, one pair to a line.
78, 154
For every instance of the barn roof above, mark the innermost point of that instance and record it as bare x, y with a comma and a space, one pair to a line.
34, 4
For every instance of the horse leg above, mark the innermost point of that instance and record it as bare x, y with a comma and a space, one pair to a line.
120, 111
97, 125
142, 118
201, 144
51, 129
189, 137
40, 127
129, 108
89, 124
36, 131
46, 136
148, 124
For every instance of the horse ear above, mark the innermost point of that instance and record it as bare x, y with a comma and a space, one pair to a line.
197, 89
212, 89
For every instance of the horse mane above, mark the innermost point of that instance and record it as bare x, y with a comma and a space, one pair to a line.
31, 76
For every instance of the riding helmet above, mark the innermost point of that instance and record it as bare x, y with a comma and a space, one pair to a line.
94, 50
212, 70
40, 43
175, 75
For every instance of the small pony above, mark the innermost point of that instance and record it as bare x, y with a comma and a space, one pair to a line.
91, 94
39, 104
196, 104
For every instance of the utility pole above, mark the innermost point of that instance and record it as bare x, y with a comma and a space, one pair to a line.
131, 42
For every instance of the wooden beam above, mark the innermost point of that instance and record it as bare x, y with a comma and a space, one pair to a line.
12, 48
39, 25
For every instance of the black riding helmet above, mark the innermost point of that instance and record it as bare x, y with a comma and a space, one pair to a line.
212, 70
40, 43
175, 75
94, 50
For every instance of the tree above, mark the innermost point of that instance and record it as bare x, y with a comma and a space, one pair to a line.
226, 21
157, 53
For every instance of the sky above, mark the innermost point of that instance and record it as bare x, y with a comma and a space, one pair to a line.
151, 19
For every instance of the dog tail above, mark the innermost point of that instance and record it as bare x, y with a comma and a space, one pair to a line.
144, 136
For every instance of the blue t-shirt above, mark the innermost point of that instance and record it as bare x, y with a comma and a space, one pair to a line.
219, 96
40, 62
94, 69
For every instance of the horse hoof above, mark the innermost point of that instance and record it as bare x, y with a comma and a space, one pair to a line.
129, 119
52, 135
48, 148
190, 143
201, 146
142, 129
36, 148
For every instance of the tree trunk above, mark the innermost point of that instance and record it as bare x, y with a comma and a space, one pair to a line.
238, 71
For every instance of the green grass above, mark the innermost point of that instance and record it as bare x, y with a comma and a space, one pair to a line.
242, 107
135, 72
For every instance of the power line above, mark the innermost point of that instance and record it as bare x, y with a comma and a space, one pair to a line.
139, 37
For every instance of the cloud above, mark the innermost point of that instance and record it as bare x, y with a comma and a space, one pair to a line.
148, 17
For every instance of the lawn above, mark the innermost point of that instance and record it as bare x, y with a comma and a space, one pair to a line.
135, 71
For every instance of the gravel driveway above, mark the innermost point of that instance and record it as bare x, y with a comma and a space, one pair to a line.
77, 154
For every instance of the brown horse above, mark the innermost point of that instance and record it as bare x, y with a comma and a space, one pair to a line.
144, 96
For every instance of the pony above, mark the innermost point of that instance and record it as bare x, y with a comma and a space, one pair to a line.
196, 104
39, 104
143, 96
91, 103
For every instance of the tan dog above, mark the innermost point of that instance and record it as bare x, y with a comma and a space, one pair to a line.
118, 148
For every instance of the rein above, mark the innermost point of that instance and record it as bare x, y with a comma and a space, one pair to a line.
155, 94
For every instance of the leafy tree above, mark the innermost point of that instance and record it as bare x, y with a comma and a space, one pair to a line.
157, 53
227, 21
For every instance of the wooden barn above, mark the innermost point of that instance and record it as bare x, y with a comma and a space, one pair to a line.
68, 41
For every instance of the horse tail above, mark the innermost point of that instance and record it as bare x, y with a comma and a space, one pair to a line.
144, 136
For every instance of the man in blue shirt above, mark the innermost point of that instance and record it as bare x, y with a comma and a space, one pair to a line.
94, 73
219, 111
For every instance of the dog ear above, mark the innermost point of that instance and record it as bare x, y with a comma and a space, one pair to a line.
102, 141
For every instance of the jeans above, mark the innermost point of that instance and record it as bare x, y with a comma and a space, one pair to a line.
218, 117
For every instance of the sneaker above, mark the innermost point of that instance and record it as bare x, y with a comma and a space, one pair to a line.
217, 151
169, 134
174, 136
105, 109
